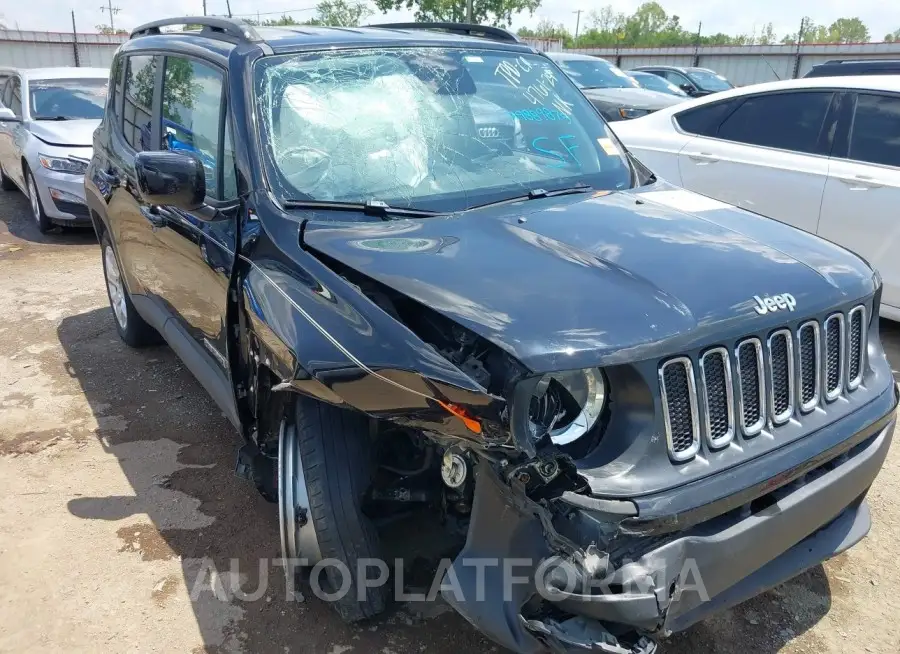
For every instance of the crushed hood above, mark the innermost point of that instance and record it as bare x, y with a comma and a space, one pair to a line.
576, 281
65, 132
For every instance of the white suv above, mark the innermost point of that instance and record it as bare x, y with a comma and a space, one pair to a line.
822, 154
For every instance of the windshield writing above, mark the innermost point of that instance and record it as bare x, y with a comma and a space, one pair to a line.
432, 128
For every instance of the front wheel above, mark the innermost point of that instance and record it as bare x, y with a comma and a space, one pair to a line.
37, 207
324, 470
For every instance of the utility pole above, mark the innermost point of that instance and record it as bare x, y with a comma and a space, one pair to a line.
577, 22
75, 41
112, 11
697, 45
803, 26
228, 5
470, 11
204, 7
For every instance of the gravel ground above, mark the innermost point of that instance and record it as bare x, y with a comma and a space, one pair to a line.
123, 520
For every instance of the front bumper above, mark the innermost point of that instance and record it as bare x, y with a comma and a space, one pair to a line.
660, 583
72, 210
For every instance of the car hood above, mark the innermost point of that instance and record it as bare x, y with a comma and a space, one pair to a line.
65, 132
633, 98
576, 281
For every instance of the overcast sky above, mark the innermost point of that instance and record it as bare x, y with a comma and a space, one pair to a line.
717, 15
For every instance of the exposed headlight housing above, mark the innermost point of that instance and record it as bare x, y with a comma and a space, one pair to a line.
63, 164
566, 405
628, 113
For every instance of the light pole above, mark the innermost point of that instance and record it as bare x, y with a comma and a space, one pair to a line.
577, 22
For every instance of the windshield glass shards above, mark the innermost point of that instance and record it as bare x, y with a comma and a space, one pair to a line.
437, 129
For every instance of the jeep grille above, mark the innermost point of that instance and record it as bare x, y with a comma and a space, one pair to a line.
744, 390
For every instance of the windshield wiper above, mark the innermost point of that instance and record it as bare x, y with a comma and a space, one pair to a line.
53, 118
538, 193
370, 208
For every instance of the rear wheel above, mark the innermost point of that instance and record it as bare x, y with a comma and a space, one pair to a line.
324, 470
131, 327
37, 208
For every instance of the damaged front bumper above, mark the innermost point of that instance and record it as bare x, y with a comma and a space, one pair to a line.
550, 575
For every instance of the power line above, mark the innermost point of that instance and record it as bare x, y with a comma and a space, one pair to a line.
112, 11
272, 13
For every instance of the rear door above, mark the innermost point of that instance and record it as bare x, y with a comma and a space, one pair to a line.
862, 194
768, 155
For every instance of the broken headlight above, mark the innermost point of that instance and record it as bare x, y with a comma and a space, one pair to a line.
566, 405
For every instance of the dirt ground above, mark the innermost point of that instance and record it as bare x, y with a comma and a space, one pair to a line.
122, 516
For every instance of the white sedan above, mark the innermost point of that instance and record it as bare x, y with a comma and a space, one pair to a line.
822, 154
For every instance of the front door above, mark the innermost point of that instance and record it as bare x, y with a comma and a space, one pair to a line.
196, 249
12, 133
768, 156
859, 210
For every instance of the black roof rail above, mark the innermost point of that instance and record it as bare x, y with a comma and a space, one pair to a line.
464, 29
212, 26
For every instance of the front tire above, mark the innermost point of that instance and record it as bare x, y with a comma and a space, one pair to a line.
324, 470
131, 327
37, 207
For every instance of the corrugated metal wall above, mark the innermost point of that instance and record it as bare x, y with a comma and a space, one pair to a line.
24, 49
749, 64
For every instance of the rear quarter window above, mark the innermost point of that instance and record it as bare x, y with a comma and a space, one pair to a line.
705, 120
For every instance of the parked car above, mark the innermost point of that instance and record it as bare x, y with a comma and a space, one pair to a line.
616, 95
46, 121
810, 153
693, 80
653, 82
838, 67
591, 375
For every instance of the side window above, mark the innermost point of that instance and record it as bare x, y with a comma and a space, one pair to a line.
6, 98
117, 87
15, 102
875, 136
137, 110
790, 121
192, 112
705, 119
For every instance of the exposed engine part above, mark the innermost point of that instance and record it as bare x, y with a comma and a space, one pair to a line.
401, 494
546, 476
454, 469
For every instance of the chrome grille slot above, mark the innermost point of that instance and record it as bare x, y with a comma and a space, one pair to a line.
679, 401
781, 376
857, 350
716, 381
834, 356
810, 364
752, 386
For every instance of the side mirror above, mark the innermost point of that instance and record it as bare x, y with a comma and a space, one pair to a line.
7, 115
175, 179
688, 88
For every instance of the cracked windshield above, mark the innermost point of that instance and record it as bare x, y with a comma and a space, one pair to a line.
429, 128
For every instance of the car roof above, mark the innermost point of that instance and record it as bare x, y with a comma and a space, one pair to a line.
57, 73
573, 56
861, 82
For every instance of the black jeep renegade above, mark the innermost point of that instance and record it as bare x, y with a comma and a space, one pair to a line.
421, 276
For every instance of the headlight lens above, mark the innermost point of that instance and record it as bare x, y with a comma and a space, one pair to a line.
567, 404
63, 164
627, 113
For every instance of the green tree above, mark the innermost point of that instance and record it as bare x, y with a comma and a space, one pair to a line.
492, 12
341, 13
848, 30
767, 35
893, 36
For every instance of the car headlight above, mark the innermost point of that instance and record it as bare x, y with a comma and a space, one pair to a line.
63, 164
627, 113
567, 405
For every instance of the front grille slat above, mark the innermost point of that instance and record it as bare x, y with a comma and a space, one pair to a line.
781, 376
679, 399
752, 386
718, 396
797, 369
857, 347
834, 356
810, 365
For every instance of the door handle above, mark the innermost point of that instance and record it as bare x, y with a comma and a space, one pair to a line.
705, 157
861, 182
153, 215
